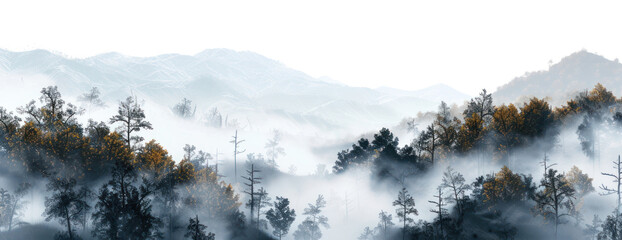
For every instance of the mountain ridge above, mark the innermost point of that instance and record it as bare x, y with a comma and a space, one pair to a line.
243, 82
576, 72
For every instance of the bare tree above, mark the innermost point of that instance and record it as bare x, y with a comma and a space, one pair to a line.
236, 144
439, 209
454, 181
252, 181
214, 118
617, 179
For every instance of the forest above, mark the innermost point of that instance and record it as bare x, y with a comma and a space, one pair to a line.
102, 180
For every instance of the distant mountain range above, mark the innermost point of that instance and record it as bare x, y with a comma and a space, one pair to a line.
578, 72
241, 84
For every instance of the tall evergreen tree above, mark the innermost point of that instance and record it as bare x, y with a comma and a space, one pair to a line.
281, 217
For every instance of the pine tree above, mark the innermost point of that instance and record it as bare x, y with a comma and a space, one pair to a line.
281, 217
556, 197
405, 206
262, 201
310, 228
196, 230
482, 106
132, 117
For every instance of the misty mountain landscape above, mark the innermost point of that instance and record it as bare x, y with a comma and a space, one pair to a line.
233, 145
243, 84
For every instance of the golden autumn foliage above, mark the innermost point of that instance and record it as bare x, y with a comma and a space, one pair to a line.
154, 160
537, 117
506, 124
210, 197
470, 133
505, 186
587, 102
185, 172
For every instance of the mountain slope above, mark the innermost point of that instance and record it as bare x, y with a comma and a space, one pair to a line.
574, 73
241, 84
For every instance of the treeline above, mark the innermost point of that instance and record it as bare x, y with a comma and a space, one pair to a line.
485, 131
108, 184
488, 133
475, 210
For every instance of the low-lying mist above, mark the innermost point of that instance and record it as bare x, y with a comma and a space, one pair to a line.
354, 197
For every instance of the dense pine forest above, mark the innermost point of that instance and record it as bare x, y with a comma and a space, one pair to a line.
102, 180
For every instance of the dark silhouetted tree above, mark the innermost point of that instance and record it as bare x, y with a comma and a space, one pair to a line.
132, 119
67, 204
196, 230
281, 217
555, 200
440, 210
405, 206
54, 115
252, 180
454, 182
447, 128
482, 106
360, 154
262, 201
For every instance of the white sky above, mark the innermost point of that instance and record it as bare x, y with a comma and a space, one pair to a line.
468, 45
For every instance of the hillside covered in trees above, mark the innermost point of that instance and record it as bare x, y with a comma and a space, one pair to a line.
102, 180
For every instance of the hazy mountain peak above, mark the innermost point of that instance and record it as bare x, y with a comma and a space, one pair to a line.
576, 72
